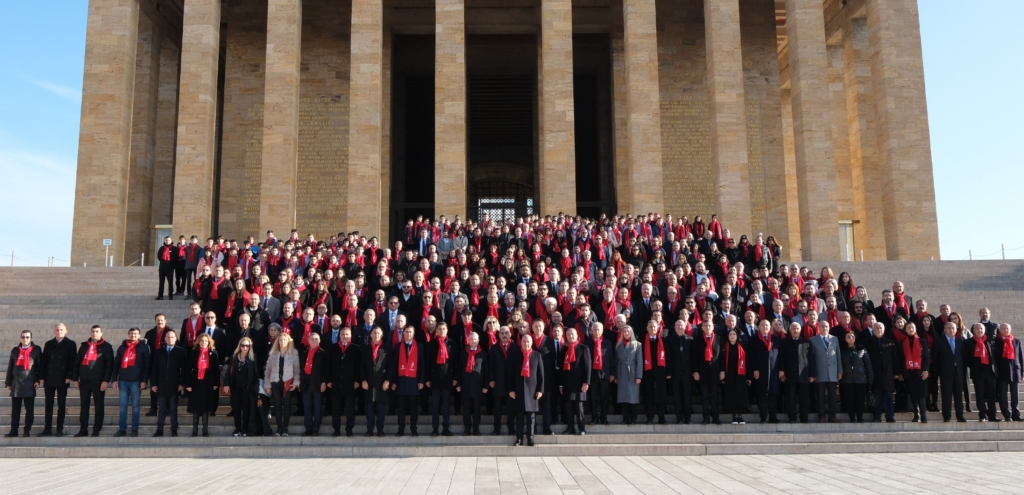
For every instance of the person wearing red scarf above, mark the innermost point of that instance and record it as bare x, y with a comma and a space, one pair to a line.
167, 259
130, 376
526, 388
574, 382
602, 352
654, 386
499, 357
91, 375
202, 380
763, 358
442, 377
472, 384
1009, 361
735, 397
24, 372
313, 383
979, 354
407, 379
915, 362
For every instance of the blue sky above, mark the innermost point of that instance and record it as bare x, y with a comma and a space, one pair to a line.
973, 74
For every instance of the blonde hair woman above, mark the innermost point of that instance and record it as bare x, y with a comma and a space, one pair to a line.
628, 374
281, 378
241, 382
202, 381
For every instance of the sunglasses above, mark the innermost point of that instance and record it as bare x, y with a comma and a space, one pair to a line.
244, 345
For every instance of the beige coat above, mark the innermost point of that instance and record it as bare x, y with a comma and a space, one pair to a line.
291, 367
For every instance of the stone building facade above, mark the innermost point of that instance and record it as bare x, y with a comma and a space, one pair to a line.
804, 119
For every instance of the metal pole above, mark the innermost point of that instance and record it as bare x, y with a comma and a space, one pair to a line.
970, 255
862, 255
12, 258
1002, 247
106, 253
143, 263
111, 261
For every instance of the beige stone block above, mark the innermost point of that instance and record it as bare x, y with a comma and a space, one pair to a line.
104, 141
812, 123
728, 116
904, 142
144, 115
623, 192
450, 160
840, 134
197, 118
643, 105
558, 134
166, 131
365, 115
791, 245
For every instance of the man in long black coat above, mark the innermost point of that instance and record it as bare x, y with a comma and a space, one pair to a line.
376, 364
526, 387
546, 349
602, 354
707, 352
796, 367
679, 347
441, 378
154, 339
58, 359
167, 379
948, 364
344, 381
91, 373
473, 383
981, 361
574, 381
408, 377
884, 360
764, 360
497, 362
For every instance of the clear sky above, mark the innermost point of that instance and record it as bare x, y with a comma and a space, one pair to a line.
973, 72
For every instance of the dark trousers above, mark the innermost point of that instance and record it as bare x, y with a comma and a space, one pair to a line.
375, 415
766, 405
574, 415
408, 404
166, 274
709, 397
503, 401
599, 397
243, 403
282, 406
312, 403
798, 401
527, 423
30, 412
62, 395
190, 278
261, 423
826, 392
952, 392
179, 279
933, 389
852, 396
167, 405
440, 407
1008, 408
152, 399
966, 386
884, 404
348, 404
985, 395
91, 393
471, 414
682, 390
545, 410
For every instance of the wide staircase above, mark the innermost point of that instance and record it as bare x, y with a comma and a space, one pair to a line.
120, 298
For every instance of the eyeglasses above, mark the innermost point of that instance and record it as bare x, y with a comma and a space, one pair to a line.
23, 337
210, 317
244, 345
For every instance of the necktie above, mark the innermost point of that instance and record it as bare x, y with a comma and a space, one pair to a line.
334, 336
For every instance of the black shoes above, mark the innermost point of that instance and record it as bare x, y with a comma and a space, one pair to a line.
518, 442
46, 433
529, 442
159, 433
12, 434
121, 433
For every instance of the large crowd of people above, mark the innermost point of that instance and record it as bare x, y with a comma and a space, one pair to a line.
537, 320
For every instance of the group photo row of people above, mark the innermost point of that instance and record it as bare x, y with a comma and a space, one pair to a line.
533, 320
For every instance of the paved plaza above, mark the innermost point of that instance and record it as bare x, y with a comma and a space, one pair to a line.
982, 473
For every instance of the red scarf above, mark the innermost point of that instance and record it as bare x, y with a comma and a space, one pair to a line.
25, 358
344, 347
442, 350
306, 329
570, 356
537, 342
647, 354
980, 349
492, 338
91, 353
810, 330
215, 289
471, 358
308, 368
609, 313
708, 349
525, 370
408, 361
741, 358
901, 302
375, 347
833, 318
204, 362
286, 324
129, 355
467, 331
423, 321
493, 310
767, 339
192, 329
912, 353
598, 362
1008, 351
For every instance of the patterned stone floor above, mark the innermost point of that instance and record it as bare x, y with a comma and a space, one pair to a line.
981, 473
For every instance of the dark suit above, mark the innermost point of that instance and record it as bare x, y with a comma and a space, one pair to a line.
948, 365
375, 372
344, 377
167, 375
546, 351
679, 350
883, 359
440, 378
407, 387
1008, 376
58, 360
600, 388
571, 382
984, 377
708, 371
497, 362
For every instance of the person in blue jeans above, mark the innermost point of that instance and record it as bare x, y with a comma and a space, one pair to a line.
131, 372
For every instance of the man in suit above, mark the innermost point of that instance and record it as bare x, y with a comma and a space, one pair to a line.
388, 319
217, 334
526, 377
546, 350
343, 380
408, 377
679, 348
981, 361
423, 243
167, 258
882, 352
602, 352
167, 380
827, 370
887, 310
497, 362
707, 351
58, 359
269, 303
948, 364
991, 327
154, 338
94, 365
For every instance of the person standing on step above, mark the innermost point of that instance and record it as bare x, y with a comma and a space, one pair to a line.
707, 366
498, 362
443, 358
91, 375
407, 378
857, 375
130, 376
765, 365
313, 384
24, 372
167, 380
680, 369
202, 382
982, 365
472, 384
154, 339
343, 378
628, 375
1009, 367
915, 359
281, 378
574, 382
735, 377
58, 362
948, 364
167, 259
602, 357
654, 386
525, 378
884, 360
826, 371
241, 382
375, 363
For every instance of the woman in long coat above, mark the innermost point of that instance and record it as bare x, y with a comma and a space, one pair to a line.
201, 382
914, 363
735, 377
629, 355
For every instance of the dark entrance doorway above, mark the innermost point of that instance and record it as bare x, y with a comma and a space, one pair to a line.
412, 124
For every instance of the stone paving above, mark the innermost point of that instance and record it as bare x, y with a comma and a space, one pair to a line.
952, 472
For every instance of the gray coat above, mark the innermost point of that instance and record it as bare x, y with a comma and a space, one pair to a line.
630, 369
826, 366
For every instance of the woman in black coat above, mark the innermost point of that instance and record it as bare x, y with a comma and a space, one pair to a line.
574, 381
1009, 360
241, 382
201, 381
734, 376
914, 362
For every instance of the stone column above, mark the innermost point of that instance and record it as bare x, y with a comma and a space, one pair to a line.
450, 166
623, 192
558, 132
197, 119
281, 115
728, 117
166, 130
840, 135
104, 139
812, 126
860, 114
365, 113
643, 103
140, 173
904, 143
791, 245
